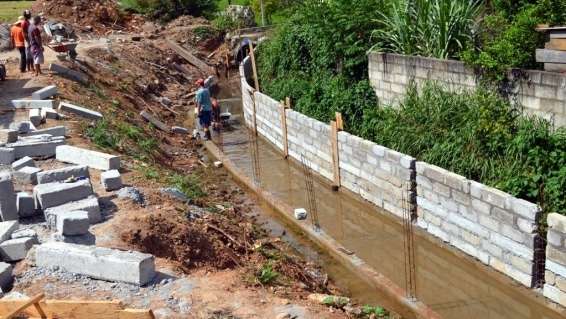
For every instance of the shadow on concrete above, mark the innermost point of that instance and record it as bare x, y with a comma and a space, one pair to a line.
107, 207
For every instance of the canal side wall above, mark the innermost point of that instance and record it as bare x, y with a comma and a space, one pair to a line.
540, 93
555, 275
486, 223
490, 225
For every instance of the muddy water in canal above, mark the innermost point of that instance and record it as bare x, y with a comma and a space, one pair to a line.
452, 284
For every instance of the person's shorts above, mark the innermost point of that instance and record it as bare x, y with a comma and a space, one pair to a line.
205, 118
29, 56
38, 58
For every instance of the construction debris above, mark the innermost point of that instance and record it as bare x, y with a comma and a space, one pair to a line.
6, 277
8, 136
7, 155
27, 175
93, 159
111, 180
97, 262
49, 114
179, 130
68, 73
56, 131
63, 174
16, 249
8, 207
72, 223
80, 111
89, 205
35, 116
153, 120
55, 194
44, 93
23, 162
36, 146
7, 228
300, 214
23, 127
25, 205
33, 104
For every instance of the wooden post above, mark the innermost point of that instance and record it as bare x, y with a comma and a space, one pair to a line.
254, 68
283, 109
254, 119
335, 127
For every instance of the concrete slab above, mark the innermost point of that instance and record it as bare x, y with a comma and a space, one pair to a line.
68, 73
53, 131
88, 239
8, 208
23, 162
27, 175
179, 130
33, 104
89, 204
22, 233
49, 114
44, 93
44, 147
35, 116
7, 228
6, 277
97, 262
23, 127
93, 159
25, 204
7, 155
62, 174
56, 194
80, 111
16, 249
8, 136
156, 122
72, 223
111, 180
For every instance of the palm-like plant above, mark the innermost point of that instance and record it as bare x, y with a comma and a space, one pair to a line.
435, 28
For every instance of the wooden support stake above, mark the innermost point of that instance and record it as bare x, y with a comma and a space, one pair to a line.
284, 129
288, 102
254, 120
339, 121
335, 159
254, 67
33, 301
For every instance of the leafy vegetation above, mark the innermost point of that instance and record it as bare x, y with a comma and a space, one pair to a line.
266, 274
376, 311
188, 184
11, 10
166, 10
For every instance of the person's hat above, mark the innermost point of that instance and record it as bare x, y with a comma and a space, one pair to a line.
200, 82
20, 19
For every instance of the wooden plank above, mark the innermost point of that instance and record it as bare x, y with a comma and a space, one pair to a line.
18, 310
136, 314
550, 56
254, 120
557, 34
555, 67
288, 102
556, 44
339, 121
335, 158
201, 65
284, 129
254, 67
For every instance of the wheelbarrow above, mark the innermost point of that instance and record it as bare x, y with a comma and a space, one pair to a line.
64, 49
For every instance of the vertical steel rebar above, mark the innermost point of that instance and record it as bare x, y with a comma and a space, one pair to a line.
254, 156
409, 244
311, 195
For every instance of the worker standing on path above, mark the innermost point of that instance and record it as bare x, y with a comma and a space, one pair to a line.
204, 107
34, 34
25, 26
19, 42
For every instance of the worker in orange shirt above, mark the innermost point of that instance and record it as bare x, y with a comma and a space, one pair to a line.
19, 42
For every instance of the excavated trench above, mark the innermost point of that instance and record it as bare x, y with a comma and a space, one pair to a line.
449, 282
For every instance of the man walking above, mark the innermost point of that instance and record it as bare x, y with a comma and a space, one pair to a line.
204, 107
19, 42
36, 45
25, 26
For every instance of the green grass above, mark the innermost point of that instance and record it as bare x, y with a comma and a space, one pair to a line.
11, 10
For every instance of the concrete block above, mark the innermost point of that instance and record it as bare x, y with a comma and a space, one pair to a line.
53, 131
557, 222
32, 104
23, 233
89, 205
44, 93
7, 228
62, 174
550, 56
179, 130
80, 111
40, 147
35, 116
526, 226
72, 223
524, 208
68, 73
555, 294
300, 213
512, 246
27, 175
25, 204
23, 162
111, 180
6, 277
8, 208
23, 127
556, 255
55, 194
7, 155
97, 262
155, 121
16, 249
554, 238
93, 159
8, 136
49, 114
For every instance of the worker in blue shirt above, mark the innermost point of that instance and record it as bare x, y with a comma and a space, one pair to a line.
204, 107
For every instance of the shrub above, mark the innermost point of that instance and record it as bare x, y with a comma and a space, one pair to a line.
169, 9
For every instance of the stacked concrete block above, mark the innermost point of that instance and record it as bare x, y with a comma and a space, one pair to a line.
97, 262
25, 204
49, 114
89, 205
56, 194
23, 162
93, 159
542, 93
36, 146
63, 174
80, 111
8, 207
378, 174
485, 223
111, 180
555, 275
268, 119
8, 136
6, 277
32, 104
7, 228
35, 116
44, 93
7, 155
27, 175
16, 249
72, 223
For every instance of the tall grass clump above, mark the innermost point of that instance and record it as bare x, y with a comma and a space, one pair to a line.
433, 28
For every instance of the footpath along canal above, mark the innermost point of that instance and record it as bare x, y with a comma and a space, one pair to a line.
454, 285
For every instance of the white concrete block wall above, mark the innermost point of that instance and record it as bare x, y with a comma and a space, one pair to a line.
542, 93
555, 275
378, 174
268, 117
493, 226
